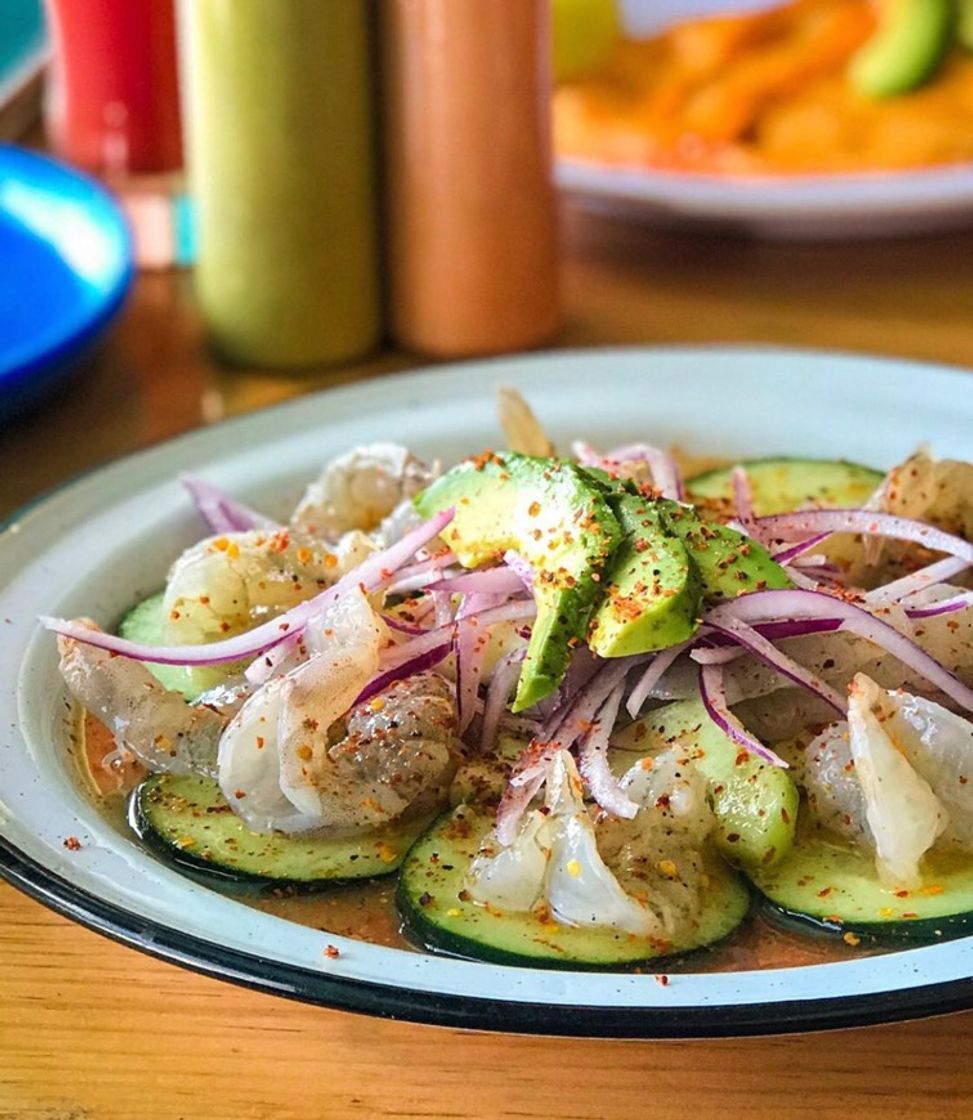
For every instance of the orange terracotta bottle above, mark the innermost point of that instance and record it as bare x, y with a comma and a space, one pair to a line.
472, 232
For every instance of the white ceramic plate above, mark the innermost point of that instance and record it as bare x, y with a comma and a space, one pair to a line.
800, 207
98, 544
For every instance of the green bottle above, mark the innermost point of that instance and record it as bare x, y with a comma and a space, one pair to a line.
278, 106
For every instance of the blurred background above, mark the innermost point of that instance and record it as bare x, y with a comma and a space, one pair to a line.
210, 205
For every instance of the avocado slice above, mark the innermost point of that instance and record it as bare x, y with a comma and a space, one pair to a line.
728, 562
563, 526
755, 804
653, 594
912, 39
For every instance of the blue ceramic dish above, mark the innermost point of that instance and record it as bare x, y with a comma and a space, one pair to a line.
65, 268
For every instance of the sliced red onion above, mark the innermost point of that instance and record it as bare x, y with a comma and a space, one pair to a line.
485, 581
515, 800
716, 655
567, 725
788, 555
938, 572
417, 577
593, 760
652, 675
222, 513
714, 700
430, 639
944, 606
429, 659
761, 647
470, 645
794, 526
443, 604
763, 606
270, 664
518, 564
800, 579
374, 572
666, 476
502, 683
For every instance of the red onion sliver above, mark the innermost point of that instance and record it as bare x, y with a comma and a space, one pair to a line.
786, 666
652, 675
518, 564
426, 660
268, 665
507, 612
593, 760
502, 684
792, 526
762, 606
787, 555
485, 581
515, 800
708, 655
944, 606
938, 572
222, 513
470, 645
714, 701
371, 574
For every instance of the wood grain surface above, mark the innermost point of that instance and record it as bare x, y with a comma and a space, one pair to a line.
93, 1031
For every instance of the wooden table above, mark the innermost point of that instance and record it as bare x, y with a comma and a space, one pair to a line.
92, 1031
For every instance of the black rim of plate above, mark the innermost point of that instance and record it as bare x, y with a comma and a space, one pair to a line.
393, 1002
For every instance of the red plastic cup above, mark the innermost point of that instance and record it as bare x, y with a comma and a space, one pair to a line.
113, 101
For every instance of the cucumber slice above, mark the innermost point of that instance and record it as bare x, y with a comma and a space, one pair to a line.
145, 623
186, 819
755, 804
783, 485
832, 886
438, 914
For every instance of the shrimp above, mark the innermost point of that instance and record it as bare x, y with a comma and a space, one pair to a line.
357, 490
894, 778
299, 758
643, 876
225, 585
157, 726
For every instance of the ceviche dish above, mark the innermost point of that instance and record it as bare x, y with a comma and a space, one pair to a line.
559, 706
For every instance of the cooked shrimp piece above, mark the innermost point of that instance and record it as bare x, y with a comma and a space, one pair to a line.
643, 876
895, 778
657, 856
227, 584
357, 490
157, 726
299, 758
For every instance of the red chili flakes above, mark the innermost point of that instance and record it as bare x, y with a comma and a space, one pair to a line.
662, 979
72, 843
332, 952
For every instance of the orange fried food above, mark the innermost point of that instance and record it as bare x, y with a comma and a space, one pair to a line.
764, 93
